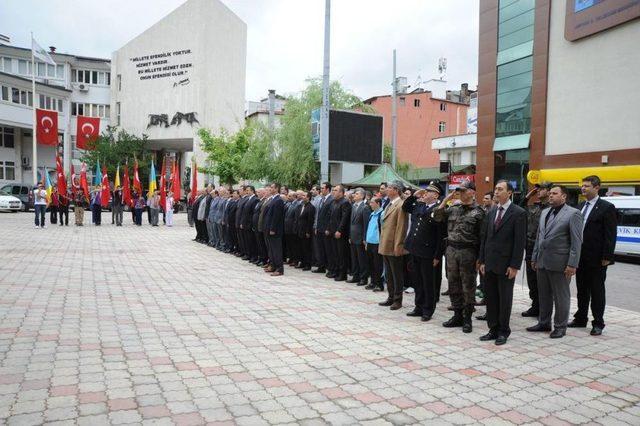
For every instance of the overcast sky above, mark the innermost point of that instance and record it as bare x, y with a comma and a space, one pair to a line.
285, 37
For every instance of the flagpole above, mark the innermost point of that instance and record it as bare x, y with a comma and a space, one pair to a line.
33, 133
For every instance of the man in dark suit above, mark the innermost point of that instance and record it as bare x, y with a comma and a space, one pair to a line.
258, 238
229, 222
360, 213
425, 244
501, 252
290, 233
304, 228
251, 253
274, 230
238, 220
324, 214
339, 231
598, 245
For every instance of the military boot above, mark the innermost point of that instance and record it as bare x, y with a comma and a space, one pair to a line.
467, 326
455, 321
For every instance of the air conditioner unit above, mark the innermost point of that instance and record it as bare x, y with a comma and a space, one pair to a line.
25, 161
83, 87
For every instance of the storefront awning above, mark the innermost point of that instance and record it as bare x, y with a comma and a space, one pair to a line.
612, 175
508, 143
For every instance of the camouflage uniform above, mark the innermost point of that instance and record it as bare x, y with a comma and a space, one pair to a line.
533, 220
464, 224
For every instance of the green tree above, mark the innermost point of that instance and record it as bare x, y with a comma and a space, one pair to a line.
118, 147
225, 153
257, 162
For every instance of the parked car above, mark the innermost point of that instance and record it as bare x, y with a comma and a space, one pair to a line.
22, 192
628, 212
9, 202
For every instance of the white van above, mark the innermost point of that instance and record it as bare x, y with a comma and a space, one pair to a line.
628, 212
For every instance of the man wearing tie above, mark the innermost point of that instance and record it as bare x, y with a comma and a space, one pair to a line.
339, 231
598, 245
555, 258
274, 230
323, 240
359, 216
501, 252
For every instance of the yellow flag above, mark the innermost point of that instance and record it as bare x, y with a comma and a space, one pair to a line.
117, 181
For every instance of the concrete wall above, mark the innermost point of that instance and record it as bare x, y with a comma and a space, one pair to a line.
216, 39
593, 96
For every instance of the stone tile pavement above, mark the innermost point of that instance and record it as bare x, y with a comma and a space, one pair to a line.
105, 325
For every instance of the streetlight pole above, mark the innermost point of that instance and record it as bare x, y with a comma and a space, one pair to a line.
324, 111
394, 115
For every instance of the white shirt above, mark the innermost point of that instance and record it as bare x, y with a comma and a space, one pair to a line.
40, 196
504, 206
588, 208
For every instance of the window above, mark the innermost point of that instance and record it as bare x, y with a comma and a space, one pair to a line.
90, 110
119, 80
60, 71
443, 106
515, 29
7, 170
91, 77
473, 157
7, 65
5, 93
513, 113
442, 127
7, 137
22, 67
51, 71
416, 103
455, 158
15, 95
48, 102
402, 101
41, 69
117, 113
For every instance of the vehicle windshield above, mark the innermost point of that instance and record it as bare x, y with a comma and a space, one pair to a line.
4, 192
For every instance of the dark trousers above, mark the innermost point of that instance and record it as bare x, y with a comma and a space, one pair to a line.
249, 242
395, 276
319, 253
149, 215
375, 264
274, 248
40, 210
241, 242
138, 216
532, 283
359, 262
64, 215
327, 242
261, 246
423, 284
117, 213
231, 237
499, 298
305, 251
53, 218
96, 214
591, 290
290, 247
340, 252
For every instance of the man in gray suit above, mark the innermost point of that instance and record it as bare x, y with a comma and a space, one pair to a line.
555, 257
360, 213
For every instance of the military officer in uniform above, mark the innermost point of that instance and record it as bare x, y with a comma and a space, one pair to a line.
533, 219
464, 224
425, 245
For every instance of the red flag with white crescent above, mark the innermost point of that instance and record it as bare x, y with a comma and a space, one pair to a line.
62, 179
46, 127
175, 183
87, 131
84, 183
105, 191
163, 185
126, 188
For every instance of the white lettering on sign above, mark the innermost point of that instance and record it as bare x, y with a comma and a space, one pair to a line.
164, 65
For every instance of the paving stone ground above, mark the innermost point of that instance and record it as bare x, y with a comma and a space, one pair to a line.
106, 325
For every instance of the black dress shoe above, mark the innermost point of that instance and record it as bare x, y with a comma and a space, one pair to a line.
577, 324
340, 278
481, 317
558, 333
481, 303
387, 302
361, 283
489, 336
530, 313
501, 340
596, 331
539, 327
353, 281
319, 271
306, 268
426, 318
378, 289
369, 287
414, 313
330, 275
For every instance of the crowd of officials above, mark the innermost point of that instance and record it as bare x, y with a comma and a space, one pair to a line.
399, 238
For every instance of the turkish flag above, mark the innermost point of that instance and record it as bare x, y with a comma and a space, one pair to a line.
175, 183
84, 184
62, 179
46, 127
163, 186
87, 131
126, 188
137, 185
105, 194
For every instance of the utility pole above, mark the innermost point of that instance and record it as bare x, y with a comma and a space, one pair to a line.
324, 111
394, 115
